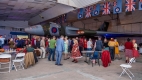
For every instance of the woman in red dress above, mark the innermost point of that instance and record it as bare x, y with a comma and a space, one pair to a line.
135, 51
75, 51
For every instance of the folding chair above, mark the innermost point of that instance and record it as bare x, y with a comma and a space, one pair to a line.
21, 60
125, 68
5, 59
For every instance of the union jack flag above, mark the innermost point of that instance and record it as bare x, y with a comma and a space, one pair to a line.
130, 5
140, 4
106, 8
88, 12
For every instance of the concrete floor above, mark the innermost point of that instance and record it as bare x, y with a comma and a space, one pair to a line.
47, 70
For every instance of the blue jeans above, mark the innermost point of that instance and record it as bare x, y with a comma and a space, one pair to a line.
58, 57
112, 51
51, 52
88, 54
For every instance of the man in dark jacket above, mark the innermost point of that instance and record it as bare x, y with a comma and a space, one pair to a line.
98, 46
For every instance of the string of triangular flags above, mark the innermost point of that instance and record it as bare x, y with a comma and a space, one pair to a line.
61, 19
94, 10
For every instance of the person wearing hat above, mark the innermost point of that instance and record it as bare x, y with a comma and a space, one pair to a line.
112, 45
117, 49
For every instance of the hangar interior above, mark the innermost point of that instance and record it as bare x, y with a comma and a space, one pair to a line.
18, 14
80, 59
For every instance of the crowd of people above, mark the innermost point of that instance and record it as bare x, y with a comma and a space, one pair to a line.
72, 47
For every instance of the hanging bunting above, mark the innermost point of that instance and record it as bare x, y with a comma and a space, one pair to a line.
88, 12
130, 5
117, 6
106, 8
80, 13
96, 10
140, 4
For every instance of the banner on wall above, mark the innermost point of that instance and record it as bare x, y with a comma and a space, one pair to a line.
88, 12
106, 8
117, 6
80, 13
130, 5
96, 10
140, 4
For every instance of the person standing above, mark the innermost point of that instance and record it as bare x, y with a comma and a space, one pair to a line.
81, 45
42, 46
85, 44
38, 43
106, 47
2, 39
135, 51
69, 45
11, 44
47, 45
111, 45
60, 48
66, 43
75, 51
117, 49
33, 41
89, 46
128, 50
98, 47
52, 44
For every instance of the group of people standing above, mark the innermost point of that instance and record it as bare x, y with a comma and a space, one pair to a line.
72, 48
63, 45
75, 46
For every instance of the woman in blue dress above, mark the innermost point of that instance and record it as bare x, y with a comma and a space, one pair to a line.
66, 48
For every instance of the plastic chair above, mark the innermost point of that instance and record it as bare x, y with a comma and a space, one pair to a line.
6, 60
21, 60
125, 68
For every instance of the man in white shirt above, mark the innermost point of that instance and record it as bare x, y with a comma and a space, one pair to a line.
89, 46
42, 46
2, 41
